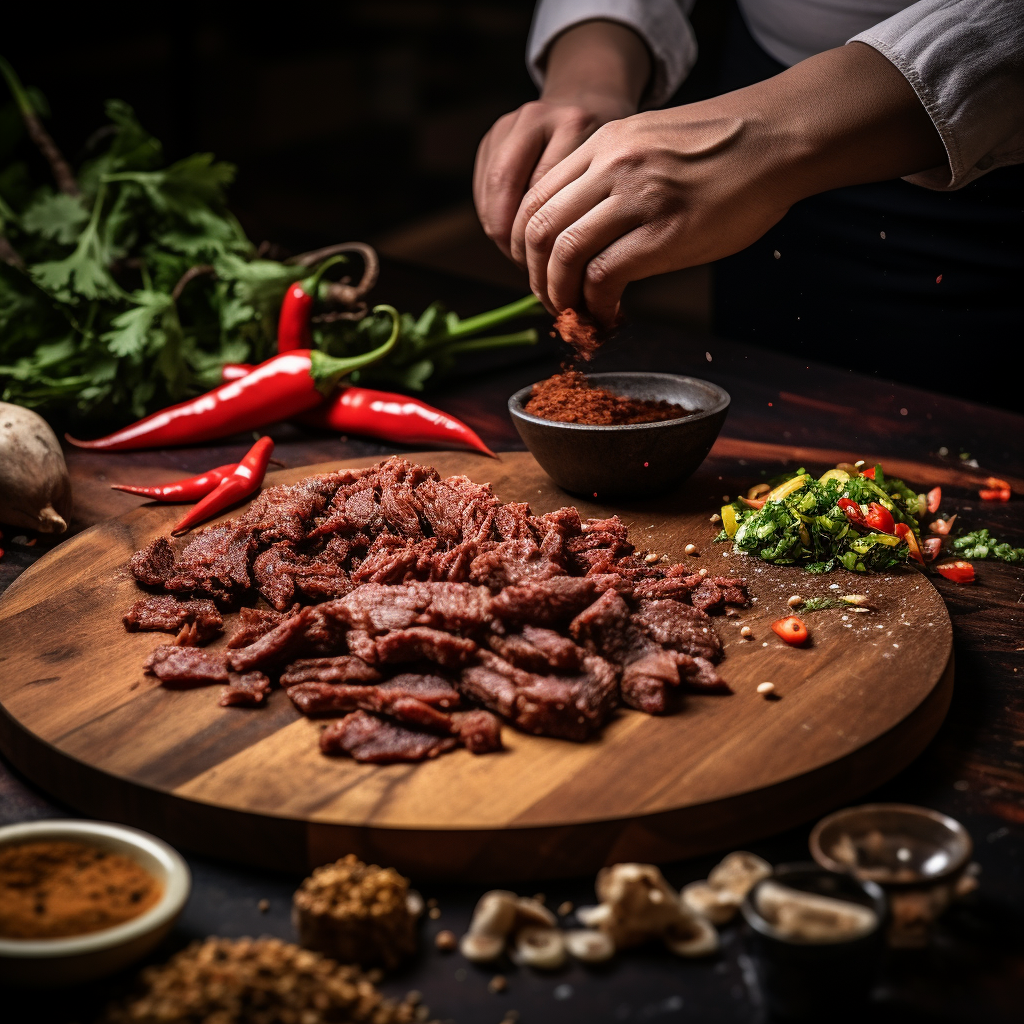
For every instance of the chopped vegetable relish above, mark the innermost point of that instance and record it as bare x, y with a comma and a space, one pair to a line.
800, 521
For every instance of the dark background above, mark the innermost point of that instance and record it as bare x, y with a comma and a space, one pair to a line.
361, 120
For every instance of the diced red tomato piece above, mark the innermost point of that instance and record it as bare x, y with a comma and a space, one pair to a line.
754, 502
851, 510
934, 499
994, 494
791, 629
931, 546
905, 533
879, 518
942, 526
869, 473
958, 572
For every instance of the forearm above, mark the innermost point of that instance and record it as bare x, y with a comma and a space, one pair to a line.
843, 117
598, 64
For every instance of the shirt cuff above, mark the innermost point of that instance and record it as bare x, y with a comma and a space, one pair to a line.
661, 24
964, 60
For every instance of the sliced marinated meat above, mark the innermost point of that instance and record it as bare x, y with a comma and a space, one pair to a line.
713, 594
289, 513
512, 562
538, 650
606, 627
166, 614
154, 564
216, 564
307, 632
247, 690
252, 624
421, 643
546, 603
646, 681
479, 731
700, 675
679, 626
377, 609
184, 667
343, 668
370, 738
314, 698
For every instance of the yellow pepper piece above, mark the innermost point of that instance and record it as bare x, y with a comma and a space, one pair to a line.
729, 522
833, 474
784, 490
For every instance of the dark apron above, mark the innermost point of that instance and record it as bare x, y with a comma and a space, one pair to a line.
936, 303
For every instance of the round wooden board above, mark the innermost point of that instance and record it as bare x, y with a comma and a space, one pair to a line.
250, 785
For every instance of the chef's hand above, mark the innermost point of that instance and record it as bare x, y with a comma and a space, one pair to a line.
668, 189
596, 73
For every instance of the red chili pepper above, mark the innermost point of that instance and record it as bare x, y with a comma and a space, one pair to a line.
235, 371
284, 386
942, 526
189, 489
995, 490
931, 548
879, 518
934, 499
869, 473
791, 629
905, 533
852, 511
246, 478
293, 327
393, 417
755, 503
958, 571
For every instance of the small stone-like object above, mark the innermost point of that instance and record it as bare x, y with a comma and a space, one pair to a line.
690, 549
446, 941
497, 984
766, 689
716, 518
263, 906
357, 913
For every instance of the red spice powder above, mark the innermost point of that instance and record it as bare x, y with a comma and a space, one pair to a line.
580, 332
570, 398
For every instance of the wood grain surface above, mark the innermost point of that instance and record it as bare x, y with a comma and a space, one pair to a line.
856, 706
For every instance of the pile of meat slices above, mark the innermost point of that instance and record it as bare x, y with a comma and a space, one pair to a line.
419, 613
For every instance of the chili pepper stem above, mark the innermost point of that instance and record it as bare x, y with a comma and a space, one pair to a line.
314, 282
327, 371
526, 306
527, 337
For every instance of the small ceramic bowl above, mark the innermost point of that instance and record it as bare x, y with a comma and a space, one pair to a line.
816, 980
637, 459
892, 844
79, 958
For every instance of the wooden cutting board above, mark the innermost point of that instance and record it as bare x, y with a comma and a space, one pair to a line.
249, 785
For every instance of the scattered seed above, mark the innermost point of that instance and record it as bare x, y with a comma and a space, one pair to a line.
263, 906
716, 518
446, 941
795, 601
565, 908
651, 558
766, 689
690, 549
434, 913
746, 631
702, 572
498, 983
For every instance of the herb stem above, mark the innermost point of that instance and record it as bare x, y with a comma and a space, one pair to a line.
526, 306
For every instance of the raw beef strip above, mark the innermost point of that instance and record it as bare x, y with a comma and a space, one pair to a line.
308, 632
252, 624
606, 627
288, 513
512, 562
480, 731
378, 609
419, 643
645, 681
215, 563
548, 603
166, 614
248, 690
153, 565
181, 667
700, 675
315, 698
343, 668
713, 594
281, 572
538, 650
367, 737
679, 626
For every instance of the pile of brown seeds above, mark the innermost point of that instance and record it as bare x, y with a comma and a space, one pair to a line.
258, 981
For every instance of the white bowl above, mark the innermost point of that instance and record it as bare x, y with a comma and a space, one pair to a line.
78, 958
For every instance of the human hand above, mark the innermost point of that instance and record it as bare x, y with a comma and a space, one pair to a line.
669, 189
596, 72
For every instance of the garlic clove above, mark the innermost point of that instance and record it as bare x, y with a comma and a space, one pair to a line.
588, 945
539, 947
594, 917
495, 913
532, 912
696, 936
738, 873
481, 947
719, 906
414, 903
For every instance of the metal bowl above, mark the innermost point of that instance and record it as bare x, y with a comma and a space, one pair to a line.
894, 844
637, 459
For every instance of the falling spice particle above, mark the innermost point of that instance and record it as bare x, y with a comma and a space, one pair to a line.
881, 234
707, 356
777, 254
498, 983
938, 280
434, 913
903, 412
263, 906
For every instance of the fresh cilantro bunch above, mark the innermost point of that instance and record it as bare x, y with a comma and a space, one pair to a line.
804, 524
90, 319
981, 544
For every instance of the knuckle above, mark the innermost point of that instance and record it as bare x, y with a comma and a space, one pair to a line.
567, 250
538, 230
599, 272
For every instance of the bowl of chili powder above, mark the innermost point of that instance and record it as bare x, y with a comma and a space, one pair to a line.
614, 434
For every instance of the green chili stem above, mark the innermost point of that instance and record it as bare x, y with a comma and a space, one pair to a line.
474, 324
527, 337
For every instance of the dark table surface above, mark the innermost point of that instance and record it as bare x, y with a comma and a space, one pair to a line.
784, 413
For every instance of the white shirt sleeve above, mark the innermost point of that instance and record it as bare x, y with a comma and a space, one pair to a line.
661, 24
965, 61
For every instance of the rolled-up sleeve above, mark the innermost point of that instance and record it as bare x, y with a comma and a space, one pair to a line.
965, 61
661, 24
